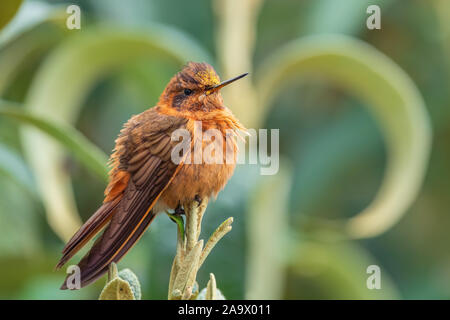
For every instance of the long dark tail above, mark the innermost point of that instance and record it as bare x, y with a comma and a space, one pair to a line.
92, 266
89, 229
128, 218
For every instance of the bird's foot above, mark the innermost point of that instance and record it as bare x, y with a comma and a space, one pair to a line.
179, 210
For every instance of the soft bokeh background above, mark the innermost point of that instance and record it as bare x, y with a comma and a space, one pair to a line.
345, 115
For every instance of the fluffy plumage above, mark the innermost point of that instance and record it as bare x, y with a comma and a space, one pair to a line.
143, 178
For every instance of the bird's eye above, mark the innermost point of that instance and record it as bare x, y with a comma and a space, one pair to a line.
187, 91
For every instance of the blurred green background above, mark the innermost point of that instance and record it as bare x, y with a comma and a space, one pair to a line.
364, 128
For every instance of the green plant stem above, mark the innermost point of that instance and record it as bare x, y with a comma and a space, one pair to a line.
191, 253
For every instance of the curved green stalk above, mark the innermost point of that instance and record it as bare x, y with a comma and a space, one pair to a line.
236, 37
389, 94
86, 152
268, 231
36, 28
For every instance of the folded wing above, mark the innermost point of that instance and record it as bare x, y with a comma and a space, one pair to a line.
141, 170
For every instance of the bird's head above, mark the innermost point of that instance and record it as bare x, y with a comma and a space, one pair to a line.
196, 88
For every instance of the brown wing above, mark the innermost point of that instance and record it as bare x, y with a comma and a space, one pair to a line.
141, 171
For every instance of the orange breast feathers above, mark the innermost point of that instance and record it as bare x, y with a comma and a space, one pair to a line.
213, 131
218, 160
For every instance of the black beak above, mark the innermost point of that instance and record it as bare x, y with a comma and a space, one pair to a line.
225, 83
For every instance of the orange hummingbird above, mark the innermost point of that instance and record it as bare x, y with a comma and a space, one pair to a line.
144, 180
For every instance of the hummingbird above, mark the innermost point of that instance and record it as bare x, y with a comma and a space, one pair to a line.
144, 180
